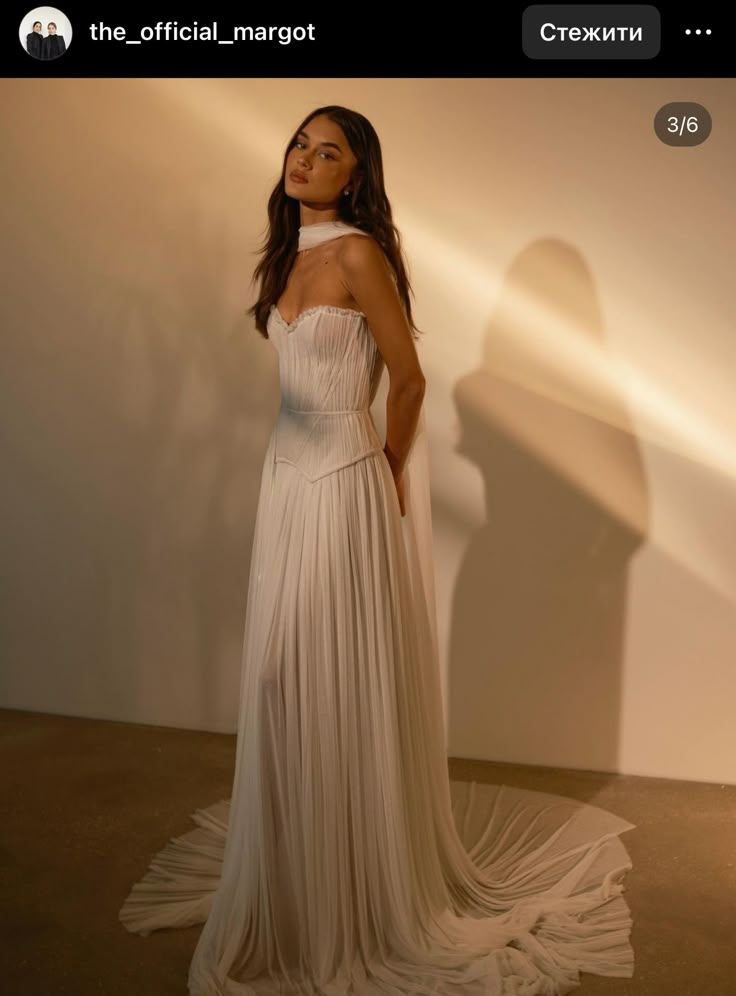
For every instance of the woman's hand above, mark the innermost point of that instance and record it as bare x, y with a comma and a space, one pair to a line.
398, 480
400, 492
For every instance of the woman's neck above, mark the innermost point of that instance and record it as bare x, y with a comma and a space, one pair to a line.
307, 216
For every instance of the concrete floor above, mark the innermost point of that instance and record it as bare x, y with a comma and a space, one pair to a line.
86, 803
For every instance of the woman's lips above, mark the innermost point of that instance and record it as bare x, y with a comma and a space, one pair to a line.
298, 178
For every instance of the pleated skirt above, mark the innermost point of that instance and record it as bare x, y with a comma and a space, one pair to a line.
345, 862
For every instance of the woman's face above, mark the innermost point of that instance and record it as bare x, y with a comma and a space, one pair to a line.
37, 26
52, 29
320, 164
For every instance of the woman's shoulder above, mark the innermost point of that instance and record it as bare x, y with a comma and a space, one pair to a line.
356, 247
356, 235
361, 255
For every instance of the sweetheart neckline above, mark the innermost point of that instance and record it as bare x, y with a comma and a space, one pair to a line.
290, 326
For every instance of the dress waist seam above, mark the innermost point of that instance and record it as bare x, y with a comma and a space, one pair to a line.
325, 411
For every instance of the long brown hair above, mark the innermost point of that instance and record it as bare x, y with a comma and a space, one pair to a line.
367, 208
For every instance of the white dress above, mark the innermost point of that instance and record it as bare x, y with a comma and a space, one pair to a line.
346, 863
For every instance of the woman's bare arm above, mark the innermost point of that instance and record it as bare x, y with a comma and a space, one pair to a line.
366, 276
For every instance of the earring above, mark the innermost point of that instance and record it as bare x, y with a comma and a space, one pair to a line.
346, 193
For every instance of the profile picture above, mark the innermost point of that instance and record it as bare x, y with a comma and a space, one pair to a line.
45, 33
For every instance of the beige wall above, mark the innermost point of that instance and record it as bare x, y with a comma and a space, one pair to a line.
575, 280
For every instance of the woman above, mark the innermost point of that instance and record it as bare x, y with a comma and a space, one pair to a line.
323, 185
336, 866
53, 44
34, 41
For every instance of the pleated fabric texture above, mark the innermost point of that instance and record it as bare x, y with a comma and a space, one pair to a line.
345, 862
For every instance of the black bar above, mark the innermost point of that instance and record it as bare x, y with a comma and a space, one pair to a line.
361, 41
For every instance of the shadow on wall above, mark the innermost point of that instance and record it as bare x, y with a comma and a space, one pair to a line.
538, 615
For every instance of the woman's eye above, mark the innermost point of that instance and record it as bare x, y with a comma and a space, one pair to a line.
298, 144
